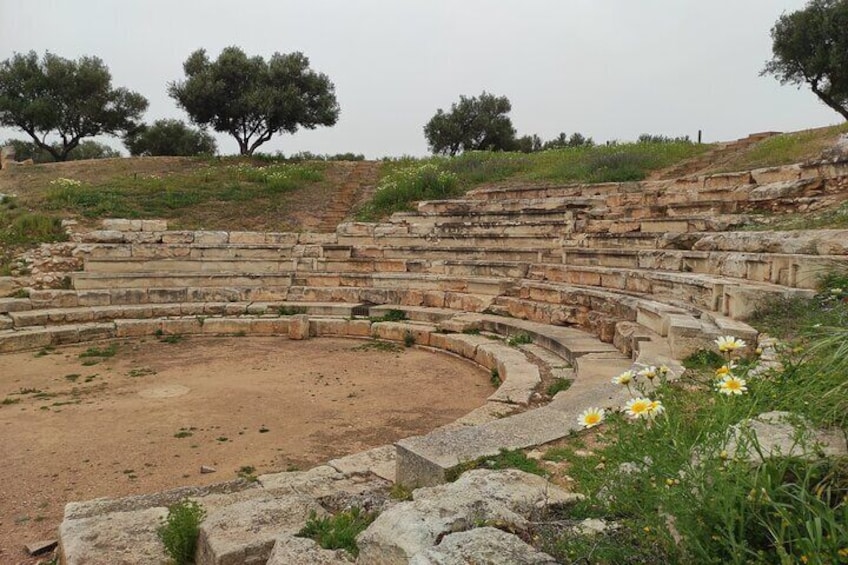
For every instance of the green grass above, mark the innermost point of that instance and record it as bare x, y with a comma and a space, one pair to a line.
407, 180
338, 531
108, 351
392, 315
787, 148
506, 459
558, 385
833, 218
162, 196
286, 310
521, 338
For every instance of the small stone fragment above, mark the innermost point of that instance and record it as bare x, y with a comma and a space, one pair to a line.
205, 469
42, 546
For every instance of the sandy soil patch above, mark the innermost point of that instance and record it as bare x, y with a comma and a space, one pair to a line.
146, 419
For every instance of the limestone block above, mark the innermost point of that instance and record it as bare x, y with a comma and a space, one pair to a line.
290, 550
102, 236
154, 225
211, 237
25, 339
322, 327
409, 528
782, 434
299, 327
54, 299
482, 545
136, 328
115, 224
14, 305
120, 537
277, 238
380, 461
269, 326
215, 326
245, 531
247, 237
93, 298
182, 326
397, 331
128, 296
178, 237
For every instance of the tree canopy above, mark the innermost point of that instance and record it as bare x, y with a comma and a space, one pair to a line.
473, 124
169, 137
251, 99
64, 98
811, 46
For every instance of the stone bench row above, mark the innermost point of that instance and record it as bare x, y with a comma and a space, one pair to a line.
719, 182
646, 203
733, 297
703, 289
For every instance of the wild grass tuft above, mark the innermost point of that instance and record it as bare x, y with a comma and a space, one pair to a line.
338, 531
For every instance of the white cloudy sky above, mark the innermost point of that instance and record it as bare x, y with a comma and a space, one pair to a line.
611, 69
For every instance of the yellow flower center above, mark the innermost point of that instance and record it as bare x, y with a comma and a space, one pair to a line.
593, 418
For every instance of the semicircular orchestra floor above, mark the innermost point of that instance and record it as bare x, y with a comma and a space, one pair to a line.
77, 423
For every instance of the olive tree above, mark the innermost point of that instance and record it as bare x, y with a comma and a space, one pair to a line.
473, 124
252, 99
811, 46
54, 97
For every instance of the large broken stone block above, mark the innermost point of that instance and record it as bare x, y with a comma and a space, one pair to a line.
244, 532
410, 528
118, 537
483, 546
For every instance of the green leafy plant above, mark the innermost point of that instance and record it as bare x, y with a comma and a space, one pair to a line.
338, 531
408, 338
286, 310
520, 338
558, 385
495, 377
181, 529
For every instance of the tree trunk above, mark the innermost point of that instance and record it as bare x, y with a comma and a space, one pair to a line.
829, 101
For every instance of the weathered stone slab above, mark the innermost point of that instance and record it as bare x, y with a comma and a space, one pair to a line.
482, 545
289, 550
245, 532
379, 461
409, 528
299, 327
782, 434
119, 537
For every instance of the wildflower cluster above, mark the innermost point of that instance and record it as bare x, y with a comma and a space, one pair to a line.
640, 406
62, 182
428, 175
728, 382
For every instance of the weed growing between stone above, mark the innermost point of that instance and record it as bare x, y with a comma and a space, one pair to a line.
521, 338
495, 377
558, 385
338, 531
180, 531
506, 459
668, 490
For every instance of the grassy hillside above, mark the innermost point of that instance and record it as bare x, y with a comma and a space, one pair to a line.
407, 180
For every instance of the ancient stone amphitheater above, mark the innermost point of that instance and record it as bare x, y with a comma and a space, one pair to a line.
602, 277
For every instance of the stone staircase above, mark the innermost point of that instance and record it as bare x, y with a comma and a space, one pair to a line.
602, 278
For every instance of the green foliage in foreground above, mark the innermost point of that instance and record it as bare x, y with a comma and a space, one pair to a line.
180, 531
408, 180
677, 497
338, 531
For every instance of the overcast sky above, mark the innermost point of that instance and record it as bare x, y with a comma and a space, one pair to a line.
610, 69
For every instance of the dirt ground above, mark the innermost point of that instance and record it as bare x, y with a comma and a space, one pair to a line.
146, 419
